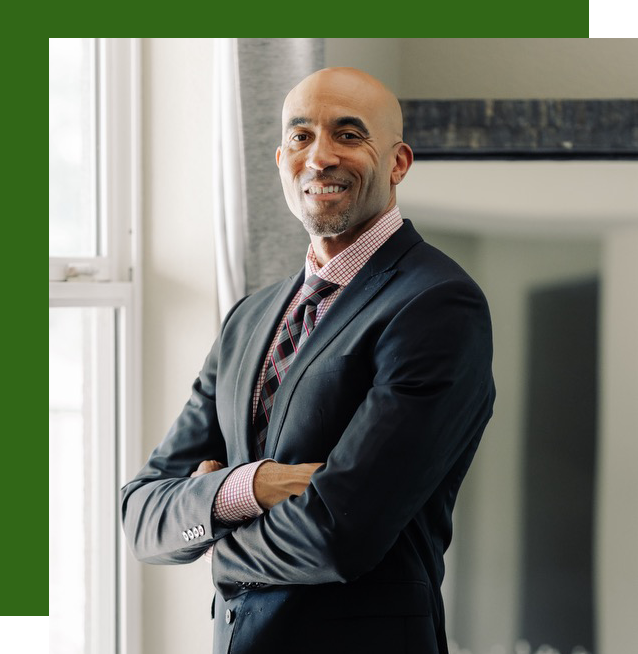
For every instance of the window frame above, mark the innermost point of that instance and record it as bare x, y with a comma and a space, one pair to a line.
113, 279
117, 130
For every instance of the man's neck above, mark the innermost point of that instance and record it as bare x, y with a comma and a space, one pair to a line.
327, 247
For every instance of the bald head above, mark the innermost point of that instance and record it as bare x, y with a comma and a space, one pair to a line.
348, 86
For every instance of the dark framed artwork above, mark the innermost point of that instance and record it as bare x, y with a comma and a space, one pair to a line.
521, 129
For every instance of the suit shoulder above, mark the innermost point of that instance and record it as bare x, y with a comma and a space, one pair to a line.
428, 266
417, 262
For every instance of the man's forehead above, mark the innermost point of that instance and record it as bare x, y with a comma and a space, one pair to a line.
329, 111
329, 96
346, 94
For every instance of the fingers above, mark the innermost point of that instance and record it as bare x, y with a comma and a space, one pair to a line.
207, 466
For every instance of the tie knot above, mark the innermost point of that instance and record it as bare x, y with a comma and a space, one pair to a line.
315, 289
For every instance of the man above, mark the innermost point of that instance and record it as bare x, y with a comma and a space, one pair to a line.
327, 435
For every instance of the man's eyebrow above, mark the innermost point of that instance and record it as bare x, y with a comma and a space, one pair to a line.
298, 120
344, 121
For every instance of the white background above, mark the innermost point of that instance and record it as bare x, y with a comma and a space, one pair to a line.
613, 18
24, 634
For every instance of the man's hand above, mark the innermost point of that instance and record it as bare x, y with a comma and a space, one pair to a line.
275, 482
207, 466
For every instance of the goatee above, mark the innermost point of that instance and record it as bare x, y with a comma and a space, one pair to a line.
326, 225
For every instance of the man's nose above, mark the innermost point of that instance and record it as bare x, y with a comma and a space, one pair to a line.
322, 154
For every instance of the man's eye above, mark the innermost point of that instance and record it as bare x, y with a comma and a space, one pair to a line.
299, 137
349, 136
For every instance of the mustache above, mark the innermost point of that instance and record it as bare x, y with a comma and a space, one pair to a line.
325, 179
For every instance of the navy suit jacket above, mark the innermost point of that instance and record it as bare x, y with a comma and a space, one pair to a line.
392, 390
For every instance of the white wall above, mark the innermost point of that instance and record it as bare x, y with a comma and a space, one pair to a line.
379, 57
179, 314
522, 197
495, 68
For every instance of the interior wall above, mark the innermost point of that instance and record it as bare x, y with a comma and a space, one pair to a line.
379, 57
521, 197
494, 68
617, 526
509, 269
518, 68
180, 306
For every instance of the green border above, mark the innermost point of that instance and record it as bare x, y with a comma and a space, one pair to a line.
500, 19
24, 453
440, 19
495, 19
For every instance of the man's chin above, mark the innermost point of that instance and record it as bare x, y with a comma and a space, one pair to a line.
322, 225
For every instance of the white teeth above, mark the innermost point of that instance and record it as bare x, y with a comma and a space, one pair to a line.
318, 190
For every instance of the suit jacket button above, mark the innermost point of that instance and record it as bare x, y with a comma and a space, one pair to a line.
200, 529
229, 616
191, 535
185, 536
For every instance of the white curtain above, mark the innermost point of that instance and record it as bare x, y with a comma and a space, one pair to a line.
229, 196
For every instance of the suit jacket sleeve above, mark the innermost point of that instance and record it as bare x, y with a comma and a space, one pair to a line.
163, 501
430, 399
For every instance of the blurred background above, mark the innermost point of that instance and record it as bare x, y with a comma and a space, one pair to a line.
165, 205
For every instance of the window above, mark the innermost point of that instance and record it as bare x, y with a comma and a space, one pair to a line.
94, 301
72, 148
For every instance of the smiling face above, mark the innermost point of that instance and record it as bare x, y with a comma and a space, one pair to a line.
341, 154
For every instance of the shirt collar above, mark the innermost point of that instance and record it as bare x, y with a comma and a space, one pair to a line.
344, 266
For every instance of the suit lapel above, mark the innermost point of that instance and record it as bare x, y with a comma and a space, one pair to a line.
366, 285
345, 308
255, 351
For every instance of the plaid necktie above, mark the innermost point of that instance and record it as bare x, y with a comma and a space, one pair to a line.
296, 329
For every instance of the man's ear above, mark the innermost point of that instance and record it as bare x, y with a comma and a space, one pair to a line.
277, 155
402, 161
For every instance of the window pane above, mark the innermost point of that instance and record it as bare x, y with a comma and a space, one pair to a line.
67, 542
72, 162
81, 536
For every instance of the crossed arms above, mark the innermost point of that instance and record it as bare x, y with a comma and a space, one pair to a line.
410, 438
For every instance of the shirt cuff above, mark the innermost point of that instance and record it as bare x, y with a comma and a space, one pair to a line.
235, 501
